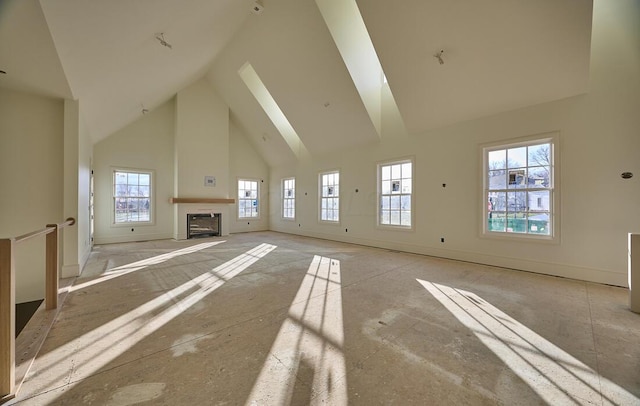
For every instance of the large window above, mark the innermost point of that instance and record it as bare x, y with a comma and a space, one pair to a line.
248, 198
289, 198
519, 188
132, 196
330, 197
395, 185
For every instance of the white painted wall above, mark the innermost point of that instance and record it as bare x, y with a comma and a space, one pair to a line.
202, 142
246, 163
77, 158
599, 139
182, 141
85, 156
70, 264
201, 149
145, 144
31, 163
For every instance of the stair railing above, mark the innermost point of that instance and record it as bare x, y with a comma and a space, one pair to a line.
8, 297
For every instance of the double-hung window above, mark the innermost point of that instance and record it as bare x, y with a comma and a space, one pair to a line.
132, 201
519, 191
248, 204
289, 198
395, 186
330, 197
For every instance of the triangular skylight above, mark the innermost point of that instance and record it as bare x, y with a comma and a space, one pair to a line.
351, 37
271, 108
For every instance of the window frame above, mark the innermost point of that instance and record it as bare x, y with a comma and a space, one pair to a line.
257, 198
321, 197
553, 189
285, 198
151, 197
379, 180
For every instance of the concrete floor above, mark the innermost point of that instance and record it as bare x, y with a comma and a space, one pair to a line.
272, 319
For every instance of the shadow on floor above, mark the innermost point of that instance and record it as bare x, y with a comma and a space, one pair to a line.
24, 312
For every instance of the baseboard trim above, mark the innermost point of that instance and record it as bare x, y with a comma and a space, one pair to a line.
70, 271
581, 273
131, 238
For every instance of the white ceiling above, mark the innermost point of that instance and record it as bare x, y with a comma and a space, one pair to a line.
499, 55
27, 53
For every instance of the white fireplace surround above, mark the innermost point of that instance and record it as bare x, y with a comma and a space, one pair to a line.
182, 209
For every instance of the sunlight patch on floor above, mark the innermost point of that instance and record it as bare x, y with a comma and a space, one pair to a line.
309, 342
556, 376
138, 265
87, 354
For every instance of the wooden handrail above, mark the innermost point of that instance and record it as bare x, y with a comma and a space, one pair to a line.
50, 228
32, 234
8, 297
68, 222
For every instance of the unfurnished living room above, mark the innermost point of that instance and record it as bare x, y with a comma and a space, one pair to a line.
304, 202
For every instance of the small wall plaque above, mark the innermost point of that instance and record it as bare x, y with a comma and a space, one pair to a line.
210, 181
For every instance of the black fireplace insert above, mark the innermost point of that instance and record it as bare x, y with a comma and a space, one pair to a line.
203, 225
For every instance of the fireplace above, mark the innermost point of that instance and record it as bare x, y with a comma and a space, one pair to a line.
203, 224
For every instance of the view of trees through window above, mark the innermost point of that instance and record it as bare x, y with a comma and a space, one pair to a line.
519, 189
131, 195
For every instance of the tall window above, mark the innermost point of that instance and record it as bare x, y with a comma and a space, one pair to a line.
395, 185
330, 196
289, 198
519, 188
248, 198
131, 196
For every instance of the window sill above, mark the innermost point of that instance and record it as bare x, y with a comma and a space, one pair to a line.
133, 224
520, 237
329, 222
390, 227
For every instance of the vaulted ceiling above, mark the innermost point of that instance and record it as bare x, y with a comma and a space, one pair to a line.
318, 60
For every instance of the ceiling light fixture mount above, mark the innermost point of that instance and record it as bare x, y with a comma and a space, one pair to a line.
257, 7
160, 38
438, 56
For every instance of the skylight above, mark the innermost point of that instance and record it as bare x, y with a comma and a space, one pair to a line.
352, 39
270, 107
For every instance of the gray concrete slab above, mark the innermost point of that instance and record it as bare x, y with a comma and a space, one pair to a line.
269, 318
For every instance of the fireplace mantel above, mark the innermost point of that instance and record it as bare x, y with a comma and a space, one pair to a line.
175, 200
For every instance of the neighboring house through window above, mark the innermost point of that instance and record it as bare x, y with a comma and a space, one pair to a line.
395, 186
248, 204
330, 196
519, 188
132, 201
289, 198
